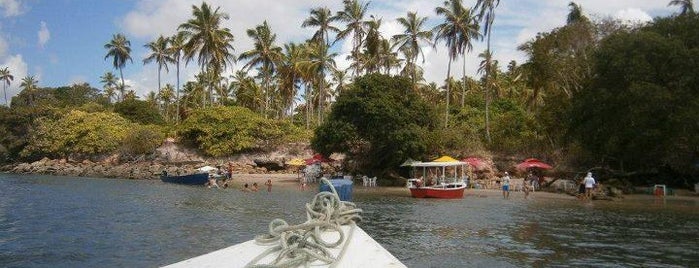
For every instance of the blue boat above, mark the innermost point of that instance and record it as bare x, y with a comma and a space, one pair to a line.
192, 179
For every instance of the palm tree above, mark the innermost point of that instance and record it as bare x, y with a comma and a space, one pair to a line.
409, 41
452, 32
321, 18
109, 82
6, 78
29, 85
686, 6
319, 62
265, 53
177, 42
353, 15
119, 48
486, 15
575, 14
166, 95
159, 54
211, 44
372, 45
289, 75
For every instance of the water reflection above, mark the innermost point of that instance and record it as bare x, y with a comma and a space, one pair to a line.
50, 221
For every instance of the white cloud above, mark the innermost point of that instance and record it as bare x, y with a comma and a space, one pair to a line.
18, 69
44, 35
3, 47
632, 15
12, 8
515, 23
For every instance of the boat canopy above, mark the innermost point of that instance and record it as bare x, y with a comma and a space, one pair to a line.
438, 164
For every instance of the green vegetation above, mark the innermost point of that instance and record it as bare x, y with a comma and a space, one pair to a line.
591, 93
377, 123
224, 131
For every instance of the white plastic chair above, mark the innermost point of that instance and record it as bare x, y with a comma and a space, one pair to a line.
372, 182
365, 180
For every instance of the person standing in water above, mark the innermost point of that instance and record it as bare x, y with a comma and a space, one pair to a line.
589, 182
506, 186
269, 185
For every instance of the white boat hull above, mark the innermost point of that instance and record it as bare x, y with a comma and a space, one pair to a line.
361, 251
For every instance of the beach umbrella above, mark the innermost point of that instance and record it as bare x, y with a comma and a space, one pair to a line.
475, 162
322, 158
445, 158
532, 163
296, 162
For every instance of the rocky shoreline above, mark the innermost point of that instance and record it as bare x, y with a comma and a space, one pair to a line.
147, 169
169, 157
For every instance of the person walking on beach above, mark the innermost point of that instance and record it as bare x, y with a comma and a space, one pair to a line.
589, 182
269, 185
506, 186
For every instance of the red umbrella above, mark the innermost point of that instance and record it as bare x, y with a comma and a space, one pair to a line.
475, 162
318, 158
533, 163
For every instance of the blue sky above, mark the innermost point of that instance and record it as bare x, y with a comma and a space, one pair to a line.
61, 42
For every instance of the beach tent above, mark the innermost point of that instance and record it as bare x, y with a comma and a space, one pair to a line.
475, 162
532, 163
318, 158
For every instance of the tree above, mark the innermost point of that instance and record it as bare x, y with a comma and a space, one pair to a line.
6, 78
119, 48
321, 18
207, 40
29, 85
638, 112
318, 64
264, 53
409, 41
457, 32
177, 42
138, 111
353, 15
109, 83
377, 124
686, 6
159, 54
486, 15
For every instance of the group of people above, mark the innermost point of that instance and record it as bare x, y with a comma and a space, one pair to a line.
587, 185
527, 185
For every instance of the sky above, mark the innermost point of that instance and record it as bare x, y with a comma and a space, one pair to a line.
61, 42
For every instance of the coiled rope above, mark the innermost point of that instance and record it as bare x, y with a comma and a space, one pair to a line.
302, 244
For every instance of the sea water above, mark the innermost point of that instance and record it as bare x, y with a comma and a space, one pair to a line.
48, 221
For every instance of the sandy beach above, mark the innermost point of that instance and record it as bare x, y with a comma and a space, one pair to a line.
292, 181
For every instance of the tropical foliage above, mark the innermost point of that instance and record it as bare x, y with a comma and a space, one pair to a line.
224, 131
590, 93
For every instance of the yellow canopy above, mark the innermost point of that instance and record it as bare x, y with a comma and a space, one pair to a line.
296, 162
445, 158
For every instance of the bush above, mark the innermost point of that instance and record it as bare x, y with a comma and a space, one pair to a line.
77, 134
222, 131
143, 140
139, 112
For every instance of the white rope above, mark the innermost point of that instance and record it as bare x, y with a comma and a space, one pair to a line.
302, 244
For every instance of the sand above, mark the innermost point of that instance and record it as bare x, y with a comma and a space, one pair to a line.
292, 181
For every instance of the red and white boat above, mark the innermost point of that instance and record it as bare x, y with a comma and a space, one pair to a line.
441, 178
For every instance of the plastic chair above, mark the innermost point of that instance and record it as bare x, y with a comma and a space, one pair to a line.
372, 182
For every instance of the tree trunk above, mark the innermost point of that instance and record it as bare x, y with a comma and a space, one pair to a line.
446, 111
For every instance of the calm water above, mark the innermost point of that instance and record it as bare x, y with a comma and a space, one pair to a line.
78, 222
